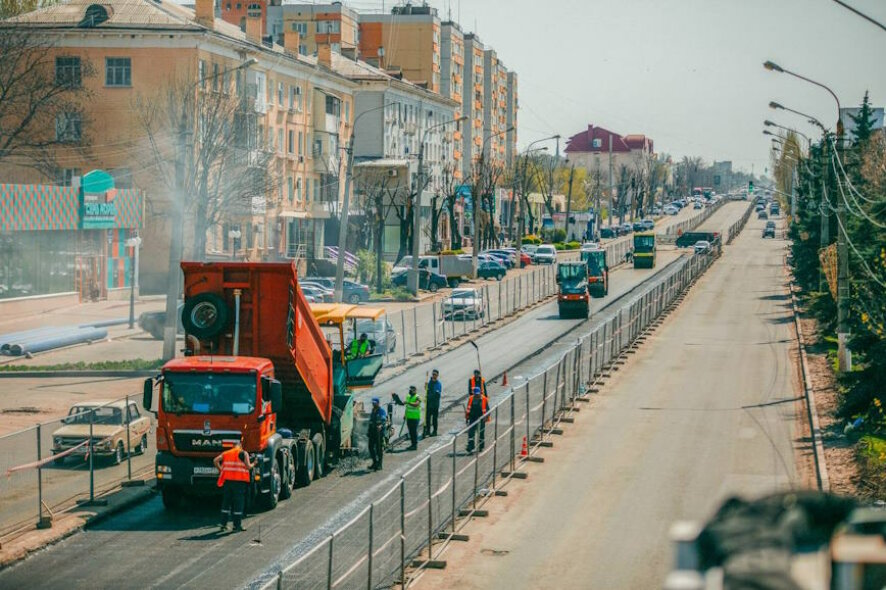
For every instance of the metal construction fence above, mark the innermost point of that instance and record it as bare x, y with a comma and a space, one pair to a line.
76, 458
406, 525
736, 227
429, 325
693, 222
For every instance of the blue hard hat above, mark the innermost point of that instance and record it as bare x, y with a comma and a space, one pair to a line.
375, 400
476, 390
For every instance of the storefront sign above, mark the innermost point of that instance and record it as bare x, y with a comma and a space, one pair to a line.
98, 209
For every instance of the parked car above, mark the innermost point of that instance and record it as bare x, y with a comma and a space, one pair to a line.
107, 421
153, 322
314, 294
607, 233
626, 228
511, 253
702, 247
769, 230
491, 270
525, 259
647, 224
464, 304
638, 226
546, 254
671, 210
698, 205
656, 210
352, 292
504, 258
530, 250
379, 332
427, 280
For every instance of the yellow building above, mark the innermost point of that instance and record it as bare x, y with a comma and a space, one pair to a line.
316, 24
134, 55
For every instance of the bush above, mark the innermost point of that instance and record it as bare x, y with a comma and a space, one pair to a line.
531, 239
558, 235
573, 245
403, 294
559, 246
451, 252
365, 266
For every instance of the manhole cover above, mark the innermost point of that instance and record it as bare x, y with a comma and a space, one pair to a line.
495, 552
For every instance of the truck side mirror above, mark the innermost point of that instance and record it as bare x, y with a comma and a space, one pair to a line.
148, 394
276, 396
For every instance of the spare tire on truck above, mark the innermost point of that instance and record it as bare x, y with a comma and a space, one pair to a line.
205, 315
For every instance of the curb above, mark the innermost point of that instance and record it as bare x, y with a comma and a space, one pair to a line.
821, 469
87, 373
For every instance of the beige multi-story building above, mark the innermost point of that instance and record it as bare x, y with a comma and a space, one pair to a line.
513, 100
452, 85
495, 108
331, 24
407, 40
295, 112
472, 105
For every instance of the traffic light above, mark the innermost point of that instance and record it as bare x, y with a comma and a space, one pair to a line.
750, 186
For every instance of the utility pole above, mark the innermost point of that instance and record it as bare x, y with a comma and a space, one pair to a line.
611, 186
569, 201
844, 355
173, 281
824, 208
343, 226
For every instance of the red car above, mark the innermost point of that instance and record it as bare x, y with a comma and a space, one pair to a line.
525, 259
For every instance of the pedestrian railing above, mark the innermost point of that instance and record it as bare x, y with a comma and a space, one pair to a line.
693, 222
406, 526
73, 460
736, 227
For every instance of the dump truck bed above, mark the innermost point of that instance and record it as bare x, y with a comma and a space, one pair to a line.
275, 323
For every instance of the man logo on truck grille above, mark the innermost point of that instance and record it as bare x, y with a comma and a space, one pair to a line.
207, 429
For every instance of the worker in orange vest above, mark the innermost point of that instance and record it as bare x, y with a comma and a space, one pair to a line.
477, 381
478, 405
234, 472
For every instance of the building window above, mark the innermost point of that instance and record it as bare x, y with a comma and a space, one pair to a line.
280, 94
316, 191
318, 148
347, 111
228, 6
301, 138
253, 10
291, 98
68, 127
302, 49
238, 82
68, 72
215, 73
289, 188
328, 26
118, 71
280, 140
298, 97
597, 143
239, 6
66, 176
308, 188
271, 91
298, 189
291, 141
333, 105
201, 73
300, 28
271, 137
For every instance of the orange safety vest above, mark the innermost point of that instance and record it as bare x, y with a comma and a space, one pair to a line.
473, 383
233, 468
484, 400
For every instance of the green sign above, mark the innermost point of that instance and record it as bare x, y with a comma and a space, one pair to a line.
98, 209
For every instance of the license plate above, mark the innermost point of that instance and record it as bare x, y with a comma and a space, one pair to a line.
205, 471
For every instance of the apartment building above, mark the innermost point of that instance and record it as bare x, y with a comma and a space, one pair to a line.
132, 54
392, 119
452, 72
495, 82
513, 102
408, 41
474, 98
316, 24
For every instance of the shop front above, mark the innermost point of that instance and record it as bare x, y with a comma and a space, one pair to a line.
68, 239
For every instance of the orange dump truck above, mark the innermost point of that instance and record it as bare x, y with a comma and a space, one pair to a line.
257, 368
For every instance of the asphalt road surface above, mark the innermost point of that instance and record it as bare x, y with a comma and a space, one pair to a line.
706, 409
149, 547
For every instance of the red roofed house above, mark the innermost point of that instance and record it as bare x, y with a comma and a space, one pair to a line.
591, 149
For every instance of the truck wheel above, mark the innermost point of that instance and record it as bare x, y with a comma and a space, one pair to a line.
269, 501
432, 287
287, 476
172, 498
205, 315
319, 455
306, 461
454, 282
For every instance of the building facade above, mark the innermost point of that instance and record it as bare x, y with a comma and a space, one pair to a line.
316, 24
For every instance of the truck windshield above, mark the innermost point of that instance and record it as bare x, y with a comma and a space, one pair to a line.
594, 260
571, 272
209, 393
645, 243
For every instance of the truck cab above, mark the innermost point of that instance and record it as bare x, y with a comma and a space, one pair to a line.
644, 250
573, 299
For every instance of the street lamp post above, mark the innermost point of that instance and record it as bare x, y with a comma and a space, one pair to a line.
343, 225
234, 234
843, 354
416, 203
176, 242
135, 243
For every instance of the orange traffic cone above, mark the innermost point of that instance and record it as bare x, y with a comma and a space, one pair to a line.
504, 380
524, 452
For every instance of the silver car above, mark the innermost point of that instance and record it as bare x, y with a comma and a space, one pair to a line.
546, 254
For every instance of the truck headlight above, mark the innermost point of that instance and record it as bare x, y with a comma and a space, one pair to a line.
164, 469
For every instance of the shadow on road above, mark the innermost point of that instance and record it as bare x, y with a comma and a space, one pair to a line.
777, 297
788, 319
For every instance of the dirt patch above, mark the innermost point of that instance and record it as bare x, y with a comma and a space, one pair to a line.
839, 450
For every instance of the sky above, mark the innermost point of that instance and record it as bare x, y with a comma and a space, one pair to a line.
687, 73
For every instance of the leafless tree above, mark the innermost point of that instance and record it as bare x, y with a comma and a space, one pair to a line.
543, 168
377, 194
446, 191
43, 121
485, 177
226, 163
